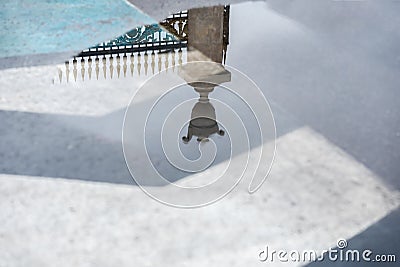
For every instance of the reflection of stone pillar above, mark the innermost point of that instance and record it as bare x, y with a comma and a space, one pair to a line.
206, 42
203, 77
206, 33
203, 122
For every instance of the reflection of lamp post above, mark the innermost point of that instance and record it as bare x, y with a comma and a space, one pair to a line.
207, 30
203, 122
203, 77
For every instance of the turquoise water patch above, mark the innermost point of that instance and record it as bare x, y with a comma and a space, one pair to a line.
55, 26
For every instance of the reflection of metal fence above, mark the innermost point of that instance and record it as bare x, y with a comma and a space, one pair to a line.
120, 64
170, 34
147, 49
144, 50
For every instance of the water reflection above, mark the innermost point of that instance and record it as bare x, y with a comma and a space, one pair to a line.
199, 34
150, 49
203, 78
203, 121
157, 128
193, 96
208, 35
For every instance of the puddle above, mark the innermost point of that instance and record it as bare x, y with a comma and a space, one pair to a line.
315, 75
150, 49
193, 113
193, 130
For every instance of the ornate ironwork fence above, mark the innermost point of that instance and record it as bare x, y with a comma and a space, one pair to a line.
146, 49
169, 34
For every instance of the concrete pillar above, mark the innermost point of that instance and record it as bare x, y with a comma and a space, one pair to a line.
206, 33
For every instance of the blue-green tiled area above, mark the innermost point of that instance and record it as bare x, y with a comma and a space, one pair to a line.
45, 27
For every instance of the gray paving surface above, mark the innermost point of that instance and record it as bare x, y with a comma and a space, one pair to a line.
315, 194
333, 87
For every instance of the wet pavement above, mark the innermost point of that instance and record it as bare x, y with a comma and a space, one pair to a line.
332, 91
46, 32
